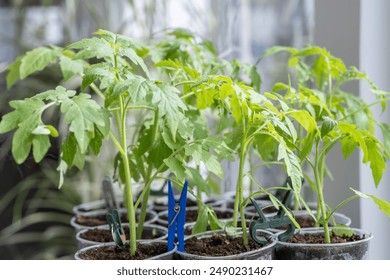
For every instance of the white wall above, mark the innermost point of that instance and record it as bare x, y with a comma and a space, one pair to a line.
375, 60
337, 29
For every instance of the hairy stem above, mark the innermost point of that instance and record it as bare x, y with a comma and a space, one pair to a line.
148, 181
319, 177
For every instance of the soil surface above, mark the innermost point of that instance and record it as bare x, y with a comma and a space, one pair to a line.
189, 202
104, 235
303, 221
144, 251
192, 215
218, 245
319, 238
91, 221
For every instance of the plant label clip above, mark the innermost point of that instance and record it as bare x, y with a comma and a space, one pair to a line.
176, 217
280, 219
118, 234
108, 194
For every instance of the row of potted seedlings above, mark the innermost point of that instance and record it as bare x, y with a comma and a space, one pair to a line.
172, 106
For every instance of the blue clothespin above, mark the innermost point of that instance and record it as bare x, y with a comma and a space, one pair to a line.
176, 217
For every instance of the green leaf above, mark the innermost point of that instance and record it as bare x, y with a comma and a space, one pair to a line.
62, 168
212, 164
218, 144
266, 146
137, 60
304, 119
10, 121
169, 105
202, 221
236, 108
36, 60
348, 146
361, 115
386, 135
292, 164
182, 33
82, 114
79, 159
168, 64
196, 180
135, 173
376, 159
70, 67
97, 71
291, 128
21, 144
92, 47
137, 87
277, 49
96, 143
107, 35
307, 145
41, 144
176, 167
69, 149
213, 185
312, 50
27, 116
383, 204
159, 152
355, 136
343, 230
215, 223
194, 151
14, 72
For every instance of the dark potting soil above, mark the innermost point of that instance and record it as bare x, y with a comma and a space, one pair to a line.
303, 221
189, 203
92, 221
218, 245
192, 215
188, 229
319, 238
144, 251
104, 235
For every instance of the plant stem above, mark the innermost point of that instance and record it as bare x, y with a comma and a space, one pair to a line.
120, 117
363, 108
340, 205
238, 202
97, 90
319, 175
148, 181
128, 186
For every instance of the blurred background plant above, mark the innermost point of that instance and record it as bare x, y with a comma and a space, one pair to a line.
34, 213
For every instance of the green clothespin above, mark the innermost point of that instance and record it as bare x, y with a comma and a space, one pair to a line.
118, 234
280, 219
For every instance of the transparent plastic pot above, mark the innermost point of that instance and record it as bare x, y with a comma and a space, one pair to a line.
157, 232
339, 219
264, 253
151, 217
162, 217
355, 250
95, 205
166, 256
